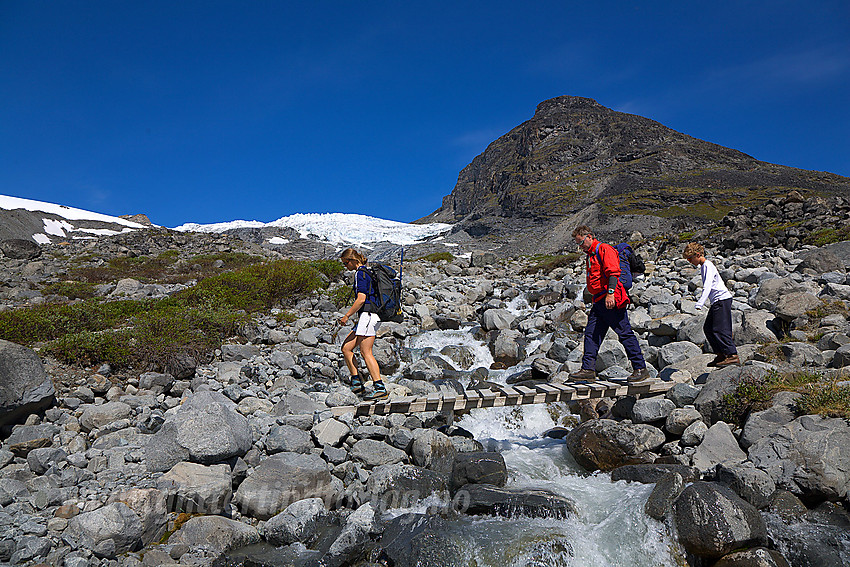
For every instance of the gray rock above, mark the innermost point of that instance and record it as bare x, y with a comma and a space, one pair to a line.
108, 531
20, 249
401, 486
607, 444
841, 359
721, 383
288, 438
215, 533
712, 521
355, 535
836, 290
757, 326
25, 387
718, 446
808, 457
433, 450
39, 460
795, 304
770, 291
497, 319
649, 410
207, 427
693, 434
765, 423
753, 485
682, 394
298, 523
297, 402
421, 539
803, 354
156, 382
232, 353
281, 480
668, 325
373, 453
507, 346
479, 468
679, 420
150, 506
821, 261
667, 489
330, 432
25, 438
310, 336
197, 489
97, 416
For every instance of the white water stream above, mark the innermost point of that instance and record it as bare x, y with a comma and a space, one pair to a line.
610, 529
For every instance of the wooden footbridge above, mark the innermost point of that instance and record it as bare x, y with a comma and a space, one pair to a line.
509, 396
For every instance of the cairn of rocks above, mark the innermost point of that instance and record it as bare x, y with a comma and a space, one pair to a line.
100, 468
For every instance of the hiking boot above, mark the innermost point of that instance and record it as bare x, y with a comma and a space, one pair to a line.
639, 375
717, 359
728, 361
357, 386
585, 374
379, 393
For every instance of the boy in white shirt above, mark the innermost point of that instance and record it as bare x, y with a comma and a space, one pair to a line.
718, 322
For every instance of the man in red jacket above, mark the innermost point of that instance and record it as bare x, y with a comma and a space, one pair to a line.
609, 308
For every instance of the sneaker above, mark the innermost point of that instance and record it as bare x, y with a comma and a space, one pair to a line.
379, 393
639, 375
717, 359
728, 361
357, 386
584, 374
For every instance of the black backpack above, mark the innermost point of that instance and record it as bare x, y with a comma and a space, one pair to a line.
386, 285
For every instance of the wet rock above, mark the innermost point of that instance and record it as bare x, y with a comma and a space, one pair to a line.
479, 468
667, 488
758, 557
651, 473
398, 486
712, 521
355, 535
606, 444
420, 539
500, 501
433, 450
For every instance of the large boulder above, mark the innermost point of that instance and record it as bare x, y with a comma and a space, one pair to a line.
761, 424
421, 539
756, 557
607, 444
150, 505
25, 387
757, 326
281, 480
96, 416
809, 457
770, 291
795, 304
401, 486
300, 522
374, 453
433, 450
108, 531
821, 261
500, 501
507, 346
718, 446
198, 489
712, 521
480, 467
206, 429
721, 383
214, 533
19, 249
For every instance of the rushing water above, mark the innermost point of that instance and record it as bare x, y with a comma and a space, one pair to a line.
610, 528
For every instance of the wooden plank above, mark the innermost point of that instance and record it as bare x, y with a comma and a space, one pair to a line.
549, 393
419, 404
527, 395
488, 398
471, 399
433, 402
401, 405
511, 395
566, 393
595, 390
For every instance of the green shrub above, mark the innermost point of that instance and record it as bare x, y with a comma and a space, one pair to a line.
828, 399
71, 290
826, 236
755, 394
341, 296
437, 256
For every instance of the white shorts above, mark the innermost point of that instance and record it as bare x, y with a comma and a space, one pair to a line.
367, 325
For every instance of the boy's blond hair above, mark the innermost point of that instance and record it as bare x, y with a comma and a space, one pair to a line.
692, 250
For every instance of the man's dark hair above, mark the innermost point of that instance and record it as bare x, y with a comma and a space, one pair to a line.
582, 230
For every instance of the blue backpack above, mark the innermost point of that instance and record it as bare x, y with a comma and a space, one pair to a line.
628, 261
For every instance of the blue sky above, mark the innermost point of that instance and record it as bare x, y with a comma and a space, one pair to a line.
209, 111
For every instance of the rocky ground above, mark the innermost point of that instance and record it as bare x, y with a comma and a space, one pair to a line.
113, 468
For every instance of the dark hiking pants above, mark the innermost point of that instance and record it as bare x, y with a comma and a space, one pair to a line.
718, 327
599, 321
